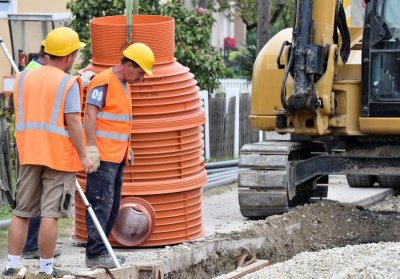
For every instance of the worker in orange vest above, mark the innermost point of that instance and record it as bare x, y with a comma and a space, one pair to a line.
108, 118
31, 249
51, 148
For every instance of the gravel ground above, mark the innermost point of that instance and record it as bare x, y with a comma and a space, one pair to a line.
375, 260
381, 260
222, 218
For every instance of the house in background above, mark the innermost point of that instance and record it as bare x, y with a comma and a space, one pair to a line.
225, 27
27, 22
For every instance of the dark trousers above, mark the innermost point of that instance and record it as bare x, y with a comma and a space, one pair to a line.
33, 233
103, 191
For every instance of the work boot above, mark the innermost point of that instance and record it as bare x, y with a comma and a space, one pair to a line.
10, 272
57, 273
104, 260
34, 254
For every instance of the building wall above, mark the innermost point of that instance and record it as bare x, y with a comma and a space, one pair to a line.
240, 31
5, 68
42, 6
25, 6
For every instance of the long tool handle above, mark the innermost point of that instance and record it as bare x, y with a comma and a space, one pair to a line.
5, 50
97, 224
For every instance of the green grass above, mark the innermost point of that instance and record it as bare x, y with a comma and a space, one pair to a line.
65, 227
5, 212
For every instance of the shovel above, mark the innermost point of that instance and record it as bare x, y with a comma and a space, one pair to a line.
97, 224
5, 50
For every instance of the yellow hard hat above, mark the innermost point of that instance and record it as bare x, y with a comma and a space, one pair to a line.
142, 55
62, 41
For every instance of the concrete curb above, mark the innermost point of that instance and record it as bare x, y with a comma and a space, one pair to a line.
372, 199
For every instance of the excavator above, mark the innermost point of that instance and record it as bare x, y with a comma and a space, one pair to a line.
335, 90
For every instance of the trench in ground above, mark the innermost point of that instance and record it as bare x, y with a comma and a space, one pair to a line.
312, 227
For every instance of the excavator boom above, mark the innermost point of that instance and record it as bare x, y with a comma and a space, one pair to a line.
334, 91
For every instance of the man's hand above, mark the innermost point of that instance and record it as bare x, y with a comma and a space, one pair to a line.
86, 77
87, 164
74, 126
130, 157
93, 154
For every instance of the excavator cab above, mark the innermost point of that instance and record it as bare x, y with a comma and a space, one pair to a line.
381, 60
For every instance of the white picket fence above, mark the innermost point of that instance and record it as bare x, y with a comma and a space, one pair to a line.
232, 89
243, 85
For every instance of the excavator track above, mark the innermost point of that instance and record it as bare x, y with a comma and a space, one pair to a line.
262, 182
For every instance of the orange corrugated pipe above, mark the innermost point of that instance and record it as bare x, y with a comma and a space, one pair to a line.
108, 38
162, 199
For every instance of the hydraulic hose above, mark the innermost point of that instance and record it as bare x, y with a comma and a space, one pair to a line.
285, 75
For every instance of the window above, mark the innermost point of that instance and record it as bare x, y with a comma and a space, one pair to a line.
5, 6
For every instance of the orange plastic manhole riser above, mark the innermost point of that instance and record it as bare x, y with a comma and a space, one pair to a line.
177, 218
108, 36
161, 195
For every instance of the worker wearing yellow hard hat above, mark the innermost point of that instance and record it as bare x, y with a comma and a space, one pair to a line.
51, 147
31, 249
108, 123
62, 41
142, 55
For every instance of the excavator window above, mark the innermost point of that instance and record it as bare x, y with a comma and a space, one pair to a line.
385, 53
391, 18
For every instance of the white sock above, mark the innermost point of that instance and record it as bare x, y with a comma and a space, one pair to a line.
13, 261
46, 265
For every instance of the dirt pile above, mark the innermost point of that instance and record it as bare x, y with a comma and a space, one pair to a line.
313, 227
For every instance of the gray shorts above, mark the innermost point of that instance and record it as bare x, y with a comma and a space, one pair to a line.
44, 191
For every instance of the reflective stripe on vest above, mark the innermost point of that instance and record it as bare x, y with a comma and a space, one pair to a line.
111, 135
48, 127
114, 116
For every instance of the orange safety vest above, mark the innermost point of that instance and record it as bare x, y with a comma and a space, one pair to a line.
40, 130
114, 121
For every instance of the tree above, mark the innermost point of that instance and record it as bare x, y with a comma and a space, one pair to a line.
193, 49
280, 11
264, 10
84, 11
241, 61
246, 8
263, 17
192, 33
